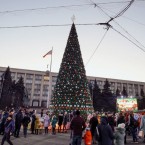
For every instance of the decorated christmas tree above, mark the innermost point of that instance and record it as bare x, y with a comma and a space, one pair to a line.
71, 91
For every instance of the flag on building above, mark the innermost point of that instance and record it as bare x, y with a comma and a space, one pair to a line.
48, 53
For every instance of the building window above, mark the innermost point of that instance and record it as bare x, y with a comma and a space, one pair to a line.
35, 103
44, 104
37, 91
125, 86
54, 79
37, 86
141, 87
29, 77
20, 75
38, 77
45, 87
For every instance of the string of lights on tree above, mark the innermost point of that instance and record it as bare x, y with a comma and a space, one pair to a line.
71, 91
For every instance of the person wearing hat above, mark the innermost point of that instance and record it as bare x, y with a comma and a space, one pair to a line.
9, 128
105, 132
119, 134
88, 137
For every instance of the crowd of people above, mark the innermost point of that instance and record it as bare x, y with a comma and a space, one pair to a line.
98, 128
11, 122
110, 129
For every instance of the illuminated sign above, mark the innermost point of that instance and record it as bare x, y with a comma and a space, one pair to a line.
127, 104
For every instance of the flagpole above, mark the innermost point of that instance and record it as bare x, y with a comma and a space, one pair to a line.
50, 83
51, 61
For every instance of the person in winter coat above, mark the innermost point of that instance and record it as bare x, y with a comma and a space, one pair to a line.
121, 119
105, 133
26, 120
88, 137
65, 119
111, 121
77, 126
134, 124
119, 134
18, 122
53, 123
9, 128
60, 120
142, 126
3, 120
46, 122
93, 124
33, 123
37, 123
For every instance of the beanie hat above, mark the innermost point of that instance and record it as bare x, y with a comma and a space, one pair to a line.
121, 125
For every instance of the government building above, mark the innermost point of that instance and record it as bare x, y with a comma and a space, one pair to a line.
40, 84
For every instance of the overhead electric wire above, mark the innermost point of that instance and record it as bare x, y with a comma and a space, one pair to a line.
129, 34
125, 17
122, 11
43, 8
134, 20
126, 32
109, 26
97, 47
119, 14
58, 7
128, 39
51, 25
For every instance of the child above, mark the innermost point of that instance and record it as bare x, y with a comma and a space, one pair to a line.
119, 134
37, 123
53, 123
87, 137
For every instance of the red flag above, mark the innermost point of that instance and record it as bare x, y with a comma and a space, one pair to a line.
48, 53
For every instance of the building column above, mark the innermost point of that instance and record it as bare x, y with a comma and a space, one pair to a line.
41, 90
127, 89
121, 87
32, 90
115, 86
133, 90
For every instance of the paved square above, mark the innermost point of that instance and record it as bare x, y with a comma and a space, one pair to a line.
58, 139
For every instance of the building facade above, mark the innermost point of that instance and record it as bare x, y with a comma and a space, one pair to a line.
40, 84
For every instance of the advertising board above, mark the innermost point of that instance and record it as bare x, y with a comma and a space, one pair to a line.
127, 104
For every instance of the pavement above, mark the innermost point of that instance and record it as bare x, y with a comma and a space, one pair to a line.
58, 139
